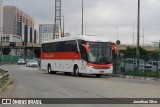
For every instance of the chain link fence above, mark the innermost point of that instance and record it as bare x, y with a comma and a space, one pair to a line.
149, 65
12, 59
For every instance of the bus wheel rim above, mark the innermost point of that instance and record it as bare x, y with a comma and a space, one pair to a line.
49, 69
76, 71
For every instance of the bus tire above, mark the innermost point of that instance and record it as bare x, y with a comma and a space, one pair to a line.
98, 75
49, 69
67, 73
76, 71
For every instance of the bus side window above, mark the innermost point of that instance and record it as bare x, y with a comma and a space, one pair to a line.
60, 47
71, 46
45, 47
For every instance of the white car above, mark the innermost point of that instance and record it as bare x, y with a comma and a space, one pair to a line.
21, 61
130, 64
155, 65
32, 63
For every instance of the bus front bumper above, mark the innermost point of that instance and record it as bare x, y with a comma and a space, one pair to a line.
91, 70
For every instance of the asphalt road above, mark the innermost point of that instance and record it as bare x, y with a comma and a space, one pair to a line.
35, 83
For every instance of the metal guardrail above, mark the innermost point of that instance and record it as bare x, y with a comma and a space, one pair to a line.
2, 63
4, 76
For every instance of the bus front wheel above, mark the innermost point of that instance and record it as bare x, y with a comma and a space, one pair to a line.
76, 71
50, 70
98, 75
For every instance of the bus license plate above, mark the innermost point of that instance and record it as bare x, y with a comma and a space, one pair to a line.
102, 72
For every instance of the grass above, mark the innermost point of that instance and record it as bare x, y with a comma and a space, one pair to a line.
143, 73
5, 84
1, 72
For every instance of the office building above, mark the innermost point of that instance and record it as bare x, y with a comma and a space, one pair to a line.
45, 32
15, 21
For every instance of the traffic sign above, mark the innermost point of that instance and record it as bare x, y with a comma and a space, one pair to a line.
118, 42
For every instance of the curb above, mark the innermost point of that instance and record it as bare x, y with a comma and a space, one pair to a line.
136, 77
5, 63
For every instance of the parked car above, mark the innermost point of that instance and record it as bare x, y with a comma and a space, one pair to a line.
155, 65
21, 61
38, 60
32, 63
26, 61
130, 64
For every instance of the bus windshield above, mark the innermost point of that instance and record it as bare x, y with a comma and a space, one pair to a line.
96, 52
99, 53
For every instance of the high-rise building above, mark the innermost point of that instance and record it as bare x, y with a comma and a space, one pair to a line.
12, 18
1, 18
45, 32
18, 23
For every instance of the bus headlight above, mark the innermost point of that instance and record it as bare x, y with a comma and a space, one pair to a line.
90, 66
105, 66
108, 67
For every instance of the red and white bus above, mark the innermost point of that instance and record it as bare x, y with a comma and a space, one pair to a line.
78, 55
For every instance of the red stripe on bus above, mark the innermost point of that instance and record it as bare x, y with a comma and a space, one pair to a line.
100, 66
61, 55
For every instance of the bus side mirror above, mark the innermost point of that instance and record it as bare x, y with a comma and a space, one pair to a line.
85, 48
114, 48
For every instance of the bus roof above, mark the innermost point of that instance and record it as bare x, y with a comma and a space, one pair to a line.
81, 37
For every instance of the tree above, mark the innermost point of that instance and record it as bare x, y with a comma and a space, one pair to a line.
131, 53
153, 55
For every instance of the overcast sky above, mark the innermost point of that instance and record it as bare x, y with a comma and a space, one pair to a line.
101, 17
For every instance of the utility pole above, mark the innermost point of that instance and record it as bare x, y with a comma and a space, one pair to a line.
117, 33
85, 28
143, 37
82, 17
138, 32
159, 49
1, 26
32, 50
133, 33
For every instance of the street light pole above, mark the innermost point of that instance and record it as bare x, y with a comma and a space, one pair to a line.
85, 28
143, 37
63, 25
138, 32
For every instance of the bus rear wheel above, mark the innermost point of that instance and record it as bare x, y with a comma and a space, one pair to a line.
76, 71
67, 73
